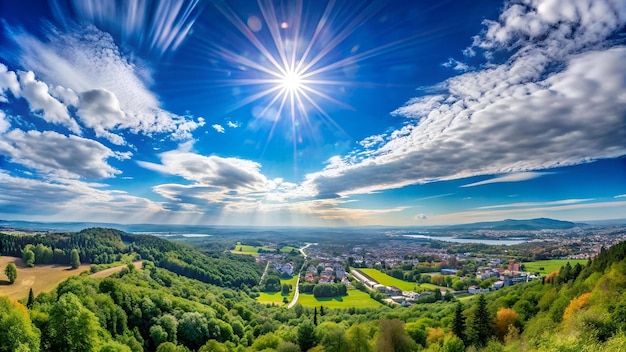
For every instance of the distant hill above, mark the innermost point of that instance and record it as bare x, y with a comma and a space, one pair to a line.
521, 225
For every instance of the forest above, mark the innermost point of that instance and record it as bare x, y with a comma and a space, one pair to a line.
177, 303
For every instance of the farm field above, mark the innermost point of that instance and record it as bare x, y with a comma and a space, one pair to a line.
551, 265
355, 298
277, 297
41, 278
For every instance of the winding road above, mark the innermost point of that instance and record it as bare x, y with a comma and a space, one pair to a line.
297, 292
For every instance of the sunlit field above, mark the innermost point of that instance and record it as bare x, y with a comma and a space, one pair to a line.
354, 299
254, 251
41, 278
551, 265
277, 297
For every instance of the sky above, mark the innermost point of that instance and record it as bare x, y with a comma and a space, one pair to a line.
312, 112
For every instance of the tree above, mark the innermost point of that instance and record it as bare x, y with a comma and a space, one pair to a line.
307, 337
392, 337
505, 318
334, 339
192, 330
16, 328
481, 328
417, 332
29, 257
74, 259
358, 338
11, 272
31, 298
72, 326
286, 289
315, 316
458, 323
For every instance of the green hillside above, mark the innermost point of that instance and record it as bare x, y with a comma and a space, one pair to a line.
582, 308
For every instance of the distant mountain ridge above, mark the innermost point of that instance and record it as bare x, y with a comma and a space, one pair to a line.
512, 224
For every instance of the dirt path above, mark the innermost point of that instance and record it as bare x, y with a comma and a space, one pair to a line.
111, 271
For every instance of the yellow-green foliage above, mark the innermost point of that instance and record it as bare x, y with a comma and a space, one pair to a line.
575, 305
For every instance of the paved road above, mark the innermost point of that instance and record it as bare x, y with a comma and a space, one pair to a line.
297, 293
264, 272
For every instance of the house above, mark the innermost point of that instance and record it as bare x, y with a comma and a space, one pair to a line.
393, 291
498, 285
473, 290
379, 288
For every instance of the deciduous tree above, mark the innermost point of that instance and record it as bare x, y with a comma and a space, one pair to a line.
392, 337
74, 258
505, 317
11, 272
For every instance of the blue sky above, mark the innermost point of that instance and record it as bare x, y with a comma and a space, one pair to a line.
312, 113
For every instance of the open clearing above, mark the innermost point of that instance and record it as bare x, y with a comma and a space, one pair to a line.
387, 280
551, 265
277, 297
254, 251
41, 278
354, 298
111, 271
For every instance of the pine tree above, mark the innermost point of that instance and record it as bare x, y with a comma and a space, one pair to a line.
322, 311
481, 330
315, 316
31, 298
458, 324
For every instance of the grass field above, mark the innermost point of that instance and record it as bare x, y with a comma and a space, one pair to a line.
40, 277
254, 251
277, 297
355, 298
387, 280
551, 265
111, 271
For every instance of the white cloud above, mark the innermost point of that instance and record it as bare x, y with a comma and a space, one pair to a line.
537, 204
219, 128
456, 65
4, 123
558, 100
40, 100
73, 200
620, 196
232, 124
89, 63
54, 154
420, 217
514, 177
226, 173
8, 82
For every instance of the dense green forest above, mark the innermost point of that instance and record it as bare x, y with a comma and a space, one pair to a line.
103, 246
171, 305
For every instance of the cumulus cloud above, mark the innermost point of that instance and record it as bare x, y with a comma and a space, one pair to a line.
226, 173
420, 217
232, 124
514, 177
40, 100
88, 62
558, 99
4, 123
219, 128
456, 65
54, 154
8, 82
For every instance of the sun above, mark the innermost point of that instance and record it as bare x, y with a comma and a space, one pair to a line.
292, 81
